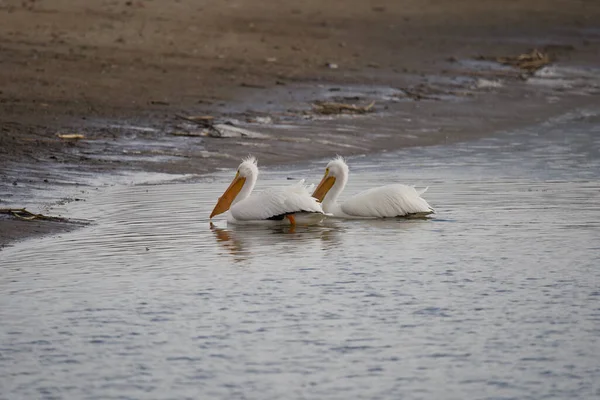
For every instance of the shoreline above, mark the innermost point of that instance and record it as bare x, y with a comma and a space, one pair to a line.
124, 89
15, 230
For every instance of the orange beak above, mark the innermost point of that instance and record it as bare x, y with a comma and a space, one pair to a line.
230, 194
324, 186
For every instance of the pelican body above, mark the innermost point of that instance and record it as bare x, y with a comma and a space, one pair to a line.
395, 200
272, 206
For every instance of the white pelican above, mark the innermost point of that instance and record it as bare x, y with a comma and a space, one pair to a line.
275, 205
388, 201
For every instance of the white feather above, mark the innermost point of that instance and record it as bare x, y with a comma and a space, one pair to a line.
395, 200
276, 201
388, 201
246, 207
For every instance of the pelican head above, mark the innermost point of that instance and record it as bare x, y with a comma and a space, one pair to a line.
240, 187
336, 173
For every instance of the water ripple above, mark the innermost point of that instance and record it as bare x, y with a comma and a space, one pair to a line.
493, 298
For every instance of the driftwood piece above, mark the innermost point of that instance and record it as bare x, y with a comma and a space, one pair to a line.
529, 62
217, 130
332, 108
70, 136
23, 214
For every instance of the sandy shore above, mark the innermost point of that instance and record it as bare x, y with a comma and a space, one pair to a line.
100, 68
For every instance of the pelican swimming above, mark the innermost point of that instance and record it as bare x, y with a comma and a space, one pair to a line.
388, 201
276, 205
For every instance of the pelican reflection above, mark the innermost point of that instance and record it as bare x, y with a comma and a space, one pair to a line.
243, 242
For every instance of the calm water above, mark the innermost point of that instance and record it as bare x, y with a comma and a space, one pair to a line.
497, 297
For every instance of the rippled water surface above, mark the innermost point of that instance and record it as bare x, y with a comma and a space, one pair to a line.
496, 297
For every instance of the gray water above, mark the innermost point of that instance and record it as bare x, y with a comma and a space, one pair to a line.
496, 297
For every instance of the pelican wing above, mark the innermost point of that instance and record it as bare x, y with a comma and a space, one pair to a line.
387, 201
274, 202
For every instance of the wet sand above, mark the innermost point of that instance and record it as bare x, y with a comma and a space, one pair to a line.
97, 68
12, 230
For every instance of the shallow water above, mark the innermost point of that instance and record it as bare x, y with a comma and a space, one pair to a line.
496, 297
